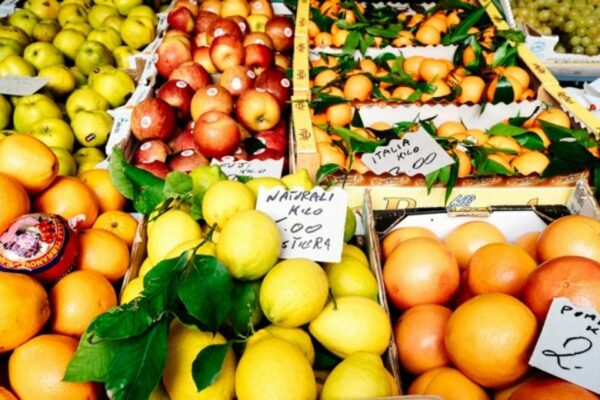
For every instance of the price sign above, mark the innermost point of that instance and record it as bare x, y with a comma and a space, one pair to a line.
311, 223
254, 168
14, 85
569, 345
413, 154
120, 129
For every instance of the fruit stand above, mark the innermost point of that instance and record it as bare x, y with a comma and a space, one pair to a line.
311, 199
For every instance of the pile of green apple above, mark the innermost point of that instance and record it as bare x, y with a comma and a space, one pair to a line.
84, 50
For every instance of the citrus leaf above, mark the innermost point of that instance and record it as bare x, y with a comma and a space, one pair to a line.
356, 142
323, 22
117, 174
431, 179
460, 31
513, 35
502, 129
91, 362
177, 183
252, 145
530, 141
452, 178
506, 55
324, 100
245, 307
504, 91
325, 171
351, 42
391, 32
490, 167
208, 364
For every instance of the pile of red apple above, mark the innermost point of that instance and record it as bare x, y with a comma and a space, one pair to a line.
225, 84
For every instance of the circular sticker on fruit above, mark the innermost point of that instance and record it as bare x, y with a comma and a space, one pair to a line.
41, 245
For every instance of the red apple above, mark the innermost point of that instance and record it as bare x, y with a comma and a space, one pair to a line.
150, 151
187, 160
204, 20
267, 154
201, 39
281, 128
257, 111
223, 27
227, 51
183, 141
211, 98
194, 74
273, 141
283, 61
275, 81
178, 94
258, 38
181, 18
156, 168
213, 6
258, 57
281, 31
237, 79
176, 33
201, 56
191, 5
153, 119
171, 53
242, 23
216, 134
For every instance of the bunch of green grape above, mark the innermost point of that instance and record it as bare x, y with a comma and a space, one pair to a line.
576, 22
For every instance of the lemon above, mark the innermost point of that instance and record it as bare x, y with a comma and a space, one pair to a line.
185, 342
299, 180
207, 249
225, 198
360, 376
170, 230
268, 183
349, 225
158, 209
249, 245
352, 324
274, 369
353, 251
294, 292
133, 289
296, 336
351, 278
146, 266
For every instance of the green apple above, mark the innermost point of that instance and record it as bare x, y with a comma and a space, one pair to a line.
88, 155
23, 19
42, 54
121, 55
114, 21
96, 72
107, 36
92, 128
115, 86
72, 12
54, 132
99, 13
62, 81
85, 99
92, 54
8, 47
16, 65
104, 2
68, 42
143, 11
5, 112
31, 109
18, 34
43, 9
125, 6
79, 77
45, 31
82, 27
66, 163
137, 31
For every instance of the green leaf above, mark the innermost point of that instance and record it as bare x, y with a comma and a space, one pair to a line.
429, 127
490, 167
245, 309
444, 174
504, 91
317, 70
91, 362
207, 366
559, 166
148, 189
356, 142
515, 36
363, 44
351, 42
452, 179
450, 5
530, 140
324, 359
326, 171
431, 179
584, 138
177, 184
323, 22
506, 55
391, 32
357, 121
205, 291
596, 179
243, 178
196, 209
117, 174
342, 24
460, 32
252, 145
324, 100
502, 129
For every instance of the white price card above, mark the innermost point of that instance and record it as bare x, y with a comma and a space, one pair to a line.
121, 128
253, 168
13, 85
569, 345
311, 223
414, 153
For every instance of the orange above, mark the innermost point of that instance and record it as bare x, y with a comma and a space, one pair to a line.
402, 92
467, 238
503, 160
339, 38
420, 271
477, 136
405, 38
36, 369
541, 134
323, 39
528, 94
339, 114
464, 163
448, 383
313, 29
573, 235
576, 278
104, 252
411, 66
368, 65
490, 338
358, 165
441, 90
433, 70
463, 294
518, 74
77, 299
453, 19
517, 89
318, 119
330, 153
325, 76
428, 35
415, 19
118, 222
503, 142
528, 242
551, 388
419, 335
505, 393
468, 56
14, 200
5, 394
395, 237
332, 90
25, 309
555, 116
471, 90
532, 162
108, 196
499, 268
70, 198
321, 135
438, 22
358, 87
450, 128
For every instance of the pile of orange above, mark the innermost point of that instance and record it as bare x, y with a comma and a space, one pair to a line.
472, 304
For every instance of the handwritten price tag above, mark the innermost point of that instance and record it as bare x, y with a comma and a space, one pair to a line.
14, 85
254, 168
415, 153
311, 222
569, 345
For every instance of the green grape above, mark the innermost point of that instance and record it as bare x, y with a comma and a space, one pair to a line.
581, 31
560, 48
546, 31
596, 41
586, 41
580, 22
593, 31
544, 15
558, 21
569, 27
573, 15
575, 41
577, 50
591, 50
589, 20
562, 9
